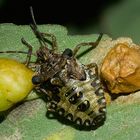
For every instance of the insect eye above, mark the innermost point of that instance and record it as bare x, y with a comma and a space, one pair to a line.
36, 80
68, 53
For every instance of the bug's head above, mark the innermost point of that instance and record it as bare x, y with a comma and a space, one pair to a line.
36, 79
68, 53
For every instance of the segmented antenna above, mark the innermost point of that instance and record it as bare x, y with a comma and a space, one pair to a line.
32, 15
35, 29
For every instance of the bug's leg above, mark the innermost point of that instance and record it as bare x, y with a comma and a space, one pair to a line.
38, 35
29, 53
91, 66
41, 36
56, 81
13, 52
43, 91
53, 38
28, 58
93, 44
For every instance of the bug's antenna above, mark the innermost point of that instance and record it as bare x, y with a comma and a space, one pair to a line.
35, 29
32, 15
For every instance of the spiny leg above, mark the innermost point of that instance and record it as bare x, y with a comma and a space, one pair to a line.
41, 36
28, 58
94, 44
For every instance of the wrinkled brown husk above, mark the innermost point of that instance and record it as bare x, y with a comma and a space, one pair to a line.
121, 68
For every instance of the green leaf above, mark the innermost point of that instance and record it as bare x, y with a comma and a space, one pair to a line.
28, 121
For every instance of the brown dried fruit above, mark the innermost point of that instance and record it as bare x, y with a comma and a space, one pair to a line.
121, 68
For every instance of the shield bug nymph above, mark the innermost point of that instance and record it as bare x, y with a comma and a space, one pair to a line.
74, 90
82, 102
